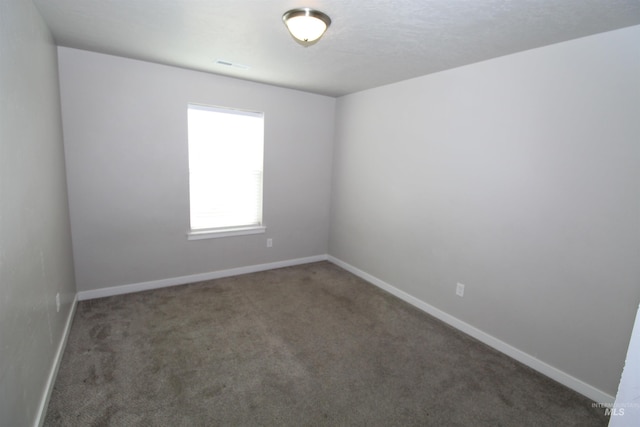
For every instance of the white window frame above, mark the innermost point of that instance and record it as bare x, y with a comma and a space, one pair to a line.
231, 230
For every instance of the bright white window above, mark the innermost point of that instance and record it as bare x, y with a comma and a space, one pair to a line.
225, 171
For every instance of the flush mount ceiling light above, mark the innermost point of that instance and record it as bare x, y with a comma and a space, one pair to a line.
305, 24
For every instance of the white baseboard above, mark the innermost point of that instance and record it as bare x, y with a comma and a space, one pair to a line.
51, 380
573, 383
173, 281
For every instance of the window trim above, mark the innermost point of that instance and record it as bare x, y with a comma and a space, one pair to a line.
236, 230
214, 233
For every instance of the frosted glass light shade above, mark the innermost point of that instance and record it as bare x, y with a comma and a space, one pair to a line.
305, 24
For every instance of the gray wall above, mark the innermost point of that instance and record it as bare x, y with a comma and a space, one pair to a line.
35, 244
518, 177
126, 149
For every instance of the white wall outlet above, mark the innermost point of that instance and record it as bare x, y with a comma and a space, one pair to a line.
58, 302
460, 289
269, 243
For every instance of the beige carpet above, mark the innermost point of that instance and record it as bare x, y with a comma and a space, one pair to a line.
305, 345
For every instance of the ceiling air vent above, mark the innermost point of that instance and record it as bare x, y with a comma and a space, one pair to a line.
232, 64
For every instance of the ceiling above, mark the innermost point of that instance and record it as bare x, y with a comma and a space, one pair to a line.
370, 42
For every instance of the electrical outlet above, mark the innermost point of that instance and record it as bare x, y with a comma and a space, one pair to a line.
460, 289
58, 302
269, 243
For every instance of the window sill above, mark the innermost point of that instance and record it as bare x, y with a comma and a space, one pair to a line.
225, 232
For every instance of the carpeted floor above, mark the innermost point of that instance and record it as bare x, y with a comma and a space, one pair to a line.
304, 345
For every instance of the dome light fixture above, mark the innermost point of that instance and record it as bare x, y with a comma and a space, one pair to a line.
306, 25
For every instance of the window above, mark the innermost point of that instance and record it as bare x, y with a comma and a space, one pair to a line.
225, 171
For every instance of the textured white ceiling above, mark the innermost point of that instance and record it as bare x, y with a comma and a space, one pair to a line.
370, 42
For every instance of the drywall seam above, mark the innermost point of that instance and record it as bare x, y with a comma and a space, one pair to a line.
563, 378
